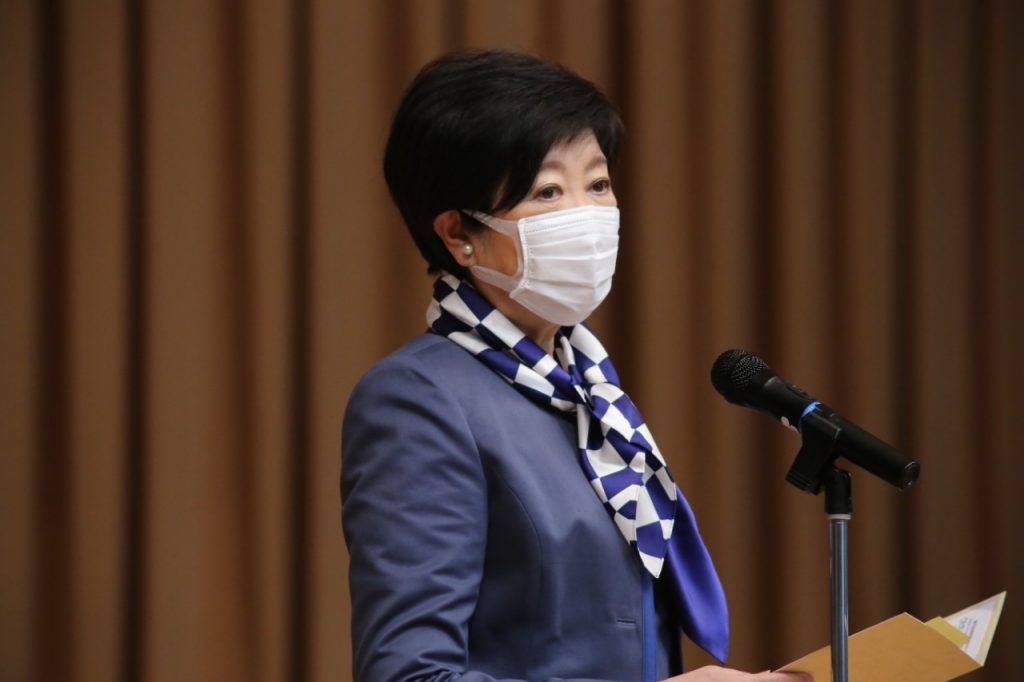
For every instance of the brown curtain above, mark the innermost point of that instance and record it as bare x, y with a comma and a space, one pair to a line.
199, 258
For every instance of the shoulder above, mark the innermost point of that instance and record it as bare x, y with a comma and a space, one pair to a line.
404, 408
427, 362
429, 376
428, 353
405, 427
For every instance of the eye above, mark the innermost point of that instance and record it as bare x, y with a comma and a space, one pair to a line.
547, 193
602, 186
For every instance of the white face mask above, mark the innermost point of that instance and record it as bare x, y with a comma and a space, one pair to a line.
566, 261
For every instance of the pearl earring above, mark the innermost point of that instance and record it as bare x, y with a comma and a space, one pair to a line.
467, 249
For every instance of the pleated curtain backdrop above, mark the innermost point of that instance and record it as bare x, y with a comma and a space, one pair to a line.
199, 259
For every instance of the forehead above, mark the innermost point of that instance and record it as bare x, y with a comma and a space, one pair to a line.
583, 149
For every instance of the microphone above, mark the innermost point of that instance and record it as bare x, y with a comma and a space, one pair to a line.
746, 380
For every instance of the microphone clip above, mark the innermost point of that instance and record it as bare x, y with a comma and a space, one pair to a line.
817, 454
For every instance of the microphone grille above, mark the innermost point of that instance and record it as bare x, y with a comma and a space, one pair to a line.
733, 372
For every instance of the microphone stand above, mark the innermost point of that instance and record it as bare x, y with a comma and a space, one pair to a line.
839, 508
813, 469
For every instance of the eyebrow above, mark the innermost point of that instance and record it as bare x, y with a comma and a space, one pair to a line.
598, 160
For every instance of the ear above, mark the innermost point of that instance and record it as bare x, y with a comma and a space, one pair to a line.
450, 228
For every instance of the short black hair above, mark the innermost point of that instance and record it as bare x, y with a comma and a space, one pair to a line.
471, 133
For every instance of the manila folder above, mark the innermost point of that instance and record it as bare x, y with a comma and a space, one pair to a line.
905, 649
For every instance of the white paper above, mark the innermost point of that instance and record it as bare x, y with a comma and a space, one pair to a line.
978, 622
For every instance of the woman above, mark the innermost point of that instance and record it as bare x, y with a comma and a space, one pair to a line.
507, 512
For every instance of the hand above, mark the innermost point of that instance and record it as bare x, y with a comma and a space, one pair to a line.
712, 673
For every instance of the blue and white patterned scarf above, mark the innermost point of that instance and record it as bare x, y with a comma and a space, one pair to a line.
617, 451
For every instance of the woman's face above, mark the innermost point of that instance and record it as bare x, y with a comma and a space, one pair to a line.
572, 174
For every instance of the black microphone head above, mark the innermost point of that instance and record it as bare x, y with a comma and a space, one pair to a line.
733, 373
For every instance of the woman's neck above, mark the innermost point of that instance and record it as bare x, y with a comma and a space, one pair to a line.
537, 329
543, 333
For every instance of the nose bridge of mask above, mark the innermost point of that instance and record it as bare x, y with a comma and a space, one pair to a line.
605, 216
589, 247
597, 222
593, 232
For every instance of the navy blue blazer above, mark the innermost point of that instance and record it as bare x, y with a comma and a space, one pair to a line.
478, 550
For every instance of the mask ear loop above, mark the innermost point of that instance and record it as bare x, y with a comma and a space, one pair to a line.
510, 228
